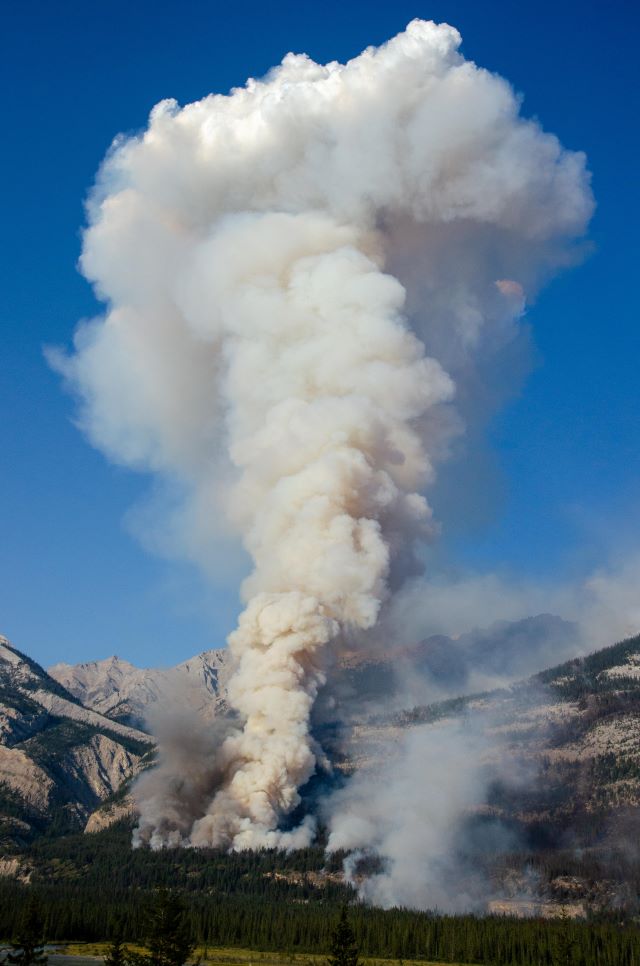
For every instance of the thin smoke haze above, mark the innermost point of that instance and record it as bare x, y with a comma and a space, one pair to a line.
301, 278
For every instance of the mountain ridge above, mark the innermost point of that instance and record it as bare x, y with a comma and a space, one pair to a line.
505, 651
58, 759
124, 692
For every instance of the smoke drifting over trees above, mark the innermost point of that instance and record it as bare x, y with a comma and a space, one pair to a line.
310, 286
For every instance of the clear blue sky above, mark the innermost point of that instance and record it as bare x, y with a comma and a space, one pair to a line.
75, 585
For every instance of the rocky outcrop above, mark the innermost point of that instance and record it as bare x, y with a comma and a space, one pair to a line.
109, 814
15, 868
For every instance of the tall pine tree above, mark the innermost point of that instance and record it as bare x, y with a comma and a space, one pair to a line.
117, 953
28, 943
344, 951
169, 941
564, 942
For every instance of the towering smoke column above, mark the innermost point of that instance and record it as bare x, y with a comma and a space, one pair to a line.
256, 350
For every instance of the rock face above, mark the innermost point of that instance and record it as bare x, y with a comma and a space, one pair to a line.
109, 814
25, 778
58, 759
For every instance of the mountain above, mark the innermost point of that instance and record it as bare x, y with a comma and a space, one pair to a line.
507, 650
58, 759
561, 788
125, 693
495, 655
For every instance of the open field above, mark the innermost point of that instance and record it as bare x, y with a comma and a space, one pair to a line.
88, 954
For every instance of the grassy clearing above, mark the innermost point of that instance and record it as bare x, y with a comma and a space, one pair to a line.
230, 956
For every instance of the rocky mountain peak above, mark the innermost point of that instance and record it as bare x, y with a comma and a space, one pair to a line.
126, 693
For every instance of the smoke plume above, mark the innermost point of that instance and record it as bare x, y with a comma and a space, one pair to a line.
407, 813
299, 278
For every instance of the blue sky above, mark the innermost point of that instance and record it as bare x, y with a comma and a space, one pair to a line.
75, 584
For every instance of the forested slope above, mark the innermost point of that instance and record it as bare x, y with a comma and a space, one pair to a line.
271, 900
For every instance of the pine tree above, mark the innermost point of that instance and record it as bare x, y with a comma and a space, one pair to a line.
563, 953
168, 940
28, 943
117, 953
344, 951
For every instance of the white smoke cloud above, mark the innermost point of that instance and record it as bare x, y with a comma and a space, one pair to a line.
408, 813
298, 277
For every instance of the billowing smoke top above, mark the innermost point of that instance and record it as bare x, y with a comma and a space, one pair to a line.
255, 350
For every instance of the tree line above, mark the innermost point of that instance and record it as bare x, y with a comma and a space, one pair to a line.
288, 928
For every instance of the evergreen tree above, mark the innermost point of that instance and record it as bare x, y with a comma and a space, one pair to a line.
563, 953
117, 953
344, 951
28, 943
168, 938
